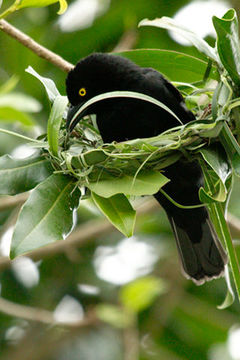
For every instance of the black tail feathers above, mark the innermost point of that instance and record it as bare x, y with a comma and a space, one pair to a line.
202, 258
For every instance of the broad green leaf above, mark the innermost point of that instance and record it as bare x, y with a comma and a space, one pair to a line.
54, 122
174, 65
228, 44
140, 294
20, 175
113, 315
170, 24
20, 102
146, 183
119, 212
49, 85
43, 3
10, 114
47, 215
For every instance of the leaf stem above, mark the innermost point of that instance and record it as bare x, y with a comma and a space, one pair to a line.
31, 44
180, 205
8, 132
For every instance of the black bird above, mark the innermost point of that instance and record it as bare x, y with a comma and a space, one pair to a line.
121, 119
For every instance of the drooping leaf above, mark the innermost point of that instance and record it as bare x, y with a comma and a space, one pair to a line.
54, 122
228, 44
119, 212
20, 175
170, 24
140, 294
9, 114
49, 85
118, 94
20, 102
217, 159
230, 297
43, 3
146, 183
47, 215
174, 65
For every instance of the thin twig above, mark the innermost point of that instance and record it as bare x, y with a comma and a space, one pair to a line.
7, 202
38, 49
40, 315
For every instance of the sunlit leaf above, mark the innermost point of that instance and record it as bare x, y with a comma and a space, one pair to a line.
43, 3
140, 294
119, 212
49, 85
171, 24
47, 215
19, 175
54, 122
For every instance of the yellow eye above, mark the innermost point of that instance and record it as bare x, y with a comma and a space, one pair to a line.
82, 92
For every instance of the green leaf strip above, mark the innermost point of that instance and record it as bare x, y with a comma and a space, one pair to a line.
123, 94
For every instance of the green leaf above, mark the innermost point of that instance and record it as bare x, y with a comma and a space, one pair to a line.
113, 315
228, 44
230, 297
236, 164
174, 65
217, 159
54, 122
119, 94
20, 102
47, 215
49, 85
170, 24
228, 301
43, 3
9, 114
119, 212
9, 85
19, 175
146, 183
140, 294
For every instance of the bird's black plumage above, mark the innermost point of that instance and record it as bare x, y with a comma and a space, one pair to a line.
123, 119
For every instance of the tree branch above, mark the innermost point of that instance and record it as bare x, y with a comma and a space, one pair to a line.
41, 315
82, 234
38, 49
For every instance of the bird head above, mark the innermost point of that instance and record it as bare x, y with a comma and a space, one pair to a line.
94, 75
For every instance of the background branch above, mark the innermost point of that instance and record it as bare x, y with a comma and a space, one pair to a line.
38, 49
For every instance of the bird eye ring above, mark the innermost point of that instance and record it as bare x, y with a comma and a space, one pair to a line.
82, 92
